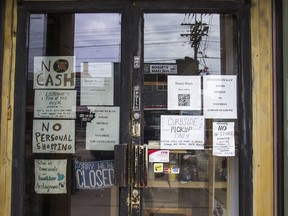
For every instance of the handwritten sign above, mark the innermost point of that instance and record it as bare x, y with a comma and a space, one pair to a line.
50, 176
223, 139
182, 132
102, 133
53, 136
94, 175
55, 104
54, 72
220, 96
184, 93
97, 84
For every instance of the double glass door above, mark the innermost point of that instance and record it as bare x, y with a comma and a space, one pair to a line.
131, 111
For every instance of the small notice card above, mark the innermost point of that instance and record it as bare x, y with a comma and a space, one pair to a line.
50, 176
55, 104
97, 84
184, 93
223, 139
102, 133
220, 96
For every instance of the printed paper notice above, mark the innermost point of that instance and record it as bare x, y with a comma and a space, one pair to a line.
94, 174
220, 96
223, 139
102, 133
182, 132
158, 156
55, 104
97, 84
54, 72
184, 93
53, 136
50, 176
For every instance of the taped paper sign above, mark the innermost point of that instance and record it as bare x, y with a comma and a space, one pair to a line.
53, 136
102, 133
158, 156
94, 175
184, 93
55, 104
223, 139
54, 72
182, 132
220, 96
50, 176
97, 83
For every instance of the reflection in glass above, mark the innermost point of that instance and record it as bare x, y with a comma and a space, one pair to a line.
88, 38
191, 182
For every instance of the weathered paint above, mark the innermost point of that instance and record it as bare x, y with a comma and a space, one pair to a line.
6, 131
261, 39
262, 94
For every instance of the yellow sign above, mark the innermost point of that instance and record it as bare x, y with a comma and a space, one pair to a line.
158, 167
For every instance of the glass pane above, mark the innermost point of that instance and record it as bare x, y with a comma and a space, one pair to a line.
73, 97
190, 108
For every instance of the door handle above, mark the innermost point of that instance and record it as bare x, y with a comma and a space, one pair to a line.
121, 165
140, 166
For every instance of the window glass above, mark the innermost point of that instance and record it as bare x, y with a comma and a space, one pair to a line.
190, 108
73, 114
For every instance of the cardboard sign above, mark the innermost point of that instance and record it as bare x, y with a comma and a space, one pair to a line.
94, 175
50, 176
102, 133
182, 132
53, 136
54, 72
55, 104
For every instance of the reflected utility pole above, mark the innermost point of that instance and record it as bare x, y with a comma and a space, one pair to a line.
195, 33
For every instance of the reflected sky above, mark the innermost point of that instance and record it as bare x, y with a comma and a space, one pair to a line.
164, 43
98, 38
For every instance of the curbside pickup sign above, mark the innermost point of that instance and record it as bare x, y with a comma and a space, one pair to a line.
94, 174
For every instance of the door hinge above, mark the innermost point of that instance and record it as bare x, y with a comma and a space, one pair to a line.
9, 113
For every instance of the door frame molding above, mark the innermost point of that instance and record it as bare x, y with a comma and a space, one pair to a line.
245, 100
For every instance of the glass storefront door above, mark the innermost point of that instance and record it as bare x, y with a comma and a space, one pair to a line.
132, 110
190, 114
73, 114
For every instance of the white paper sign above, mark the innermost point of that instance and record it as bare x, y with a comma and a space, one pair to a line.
53, 136
220, 96
50, 176
223, 139
184, 93
182, 132
97, 84
55, 104
158, 156
102, 133
54, 72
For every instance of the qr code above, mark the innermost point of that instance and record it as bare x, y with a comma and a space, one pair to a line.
183, 99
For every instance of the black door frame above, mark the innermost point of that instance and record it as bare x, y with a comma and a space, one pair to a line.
132, 43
